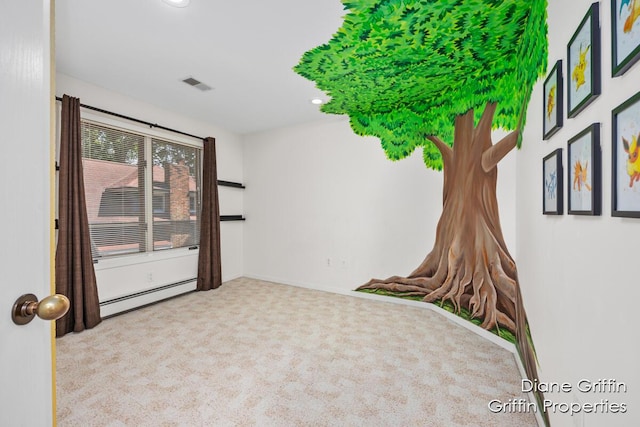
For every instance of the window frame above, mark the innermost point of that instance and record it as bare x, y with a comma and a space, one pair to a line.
148, 133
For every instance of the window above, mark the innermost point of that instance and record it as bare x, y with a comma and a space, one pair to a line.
135, 205
192, 203
159, 202
175, 174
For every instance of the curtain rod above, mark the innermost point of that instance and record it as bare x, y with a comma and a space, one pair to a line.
122, 116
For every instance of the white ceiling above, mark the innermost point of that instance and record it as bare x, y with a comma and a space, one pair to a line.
244, 49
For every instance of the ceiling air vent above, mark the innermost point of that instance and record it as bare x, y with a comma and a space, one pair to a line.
197, 84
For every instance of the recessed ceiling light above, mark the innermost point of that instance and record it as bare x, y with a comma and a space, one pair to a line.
317, 101
177, 3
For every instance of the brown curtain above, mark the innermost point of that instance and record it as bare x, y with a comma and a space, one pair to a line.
209, 263
75, 276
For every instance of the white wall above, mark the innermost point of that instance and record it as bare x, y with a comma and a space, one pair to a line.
124, 276
326, 209
579, 274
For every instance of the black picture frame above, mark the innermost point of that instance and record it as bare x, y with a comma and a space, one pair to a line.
552, 201
584, 195
625, 37
583, 63
625, 157
552, 101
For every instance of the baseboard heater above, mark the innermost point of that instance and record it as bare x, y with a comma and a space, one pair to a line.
144, 298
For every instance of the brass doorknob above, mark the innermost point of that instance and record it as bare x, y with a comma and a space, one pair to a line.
50, 308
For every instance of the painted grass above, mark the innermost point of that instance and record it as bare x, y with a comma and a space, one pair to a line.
502, 333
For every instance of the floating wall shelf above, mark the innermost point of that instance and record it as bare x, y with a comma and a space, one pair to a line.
232, 218
233, 185
230, 184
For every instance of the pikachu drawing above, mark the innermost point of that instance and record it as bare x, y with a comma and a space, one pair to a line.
578, 71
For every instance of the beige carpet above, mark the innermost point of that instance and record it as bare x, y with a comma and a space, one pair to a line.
261, 354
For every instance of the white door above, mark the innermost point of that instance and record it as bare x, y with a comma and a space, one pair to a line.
25, 188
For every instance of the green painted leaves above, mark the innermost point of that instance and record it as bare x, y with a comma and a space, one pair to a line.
403, 69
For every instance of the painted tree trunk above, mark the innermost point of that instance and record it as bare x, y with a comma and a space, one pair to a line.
470, 264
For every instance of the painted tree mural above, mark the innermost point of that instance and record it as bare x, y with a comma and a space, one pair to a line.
440, 75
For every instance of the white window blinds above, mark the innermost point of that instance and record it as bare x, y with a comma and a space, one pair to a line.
176, 195
136, 205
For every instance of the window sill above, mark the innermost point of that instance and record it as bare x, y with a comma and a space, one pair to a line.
141, 258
